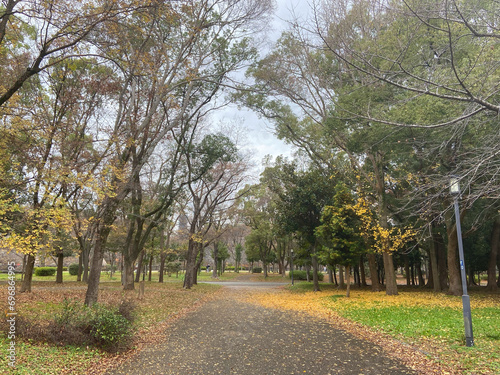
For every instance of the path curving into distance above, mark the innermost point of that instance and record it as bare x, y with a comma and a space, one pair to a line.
230, 336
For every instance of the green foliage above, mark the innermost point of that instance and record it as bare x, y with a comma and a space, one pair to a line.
257, 270
45, 271
212, 149
73, 269
238, 250
172, 267
302, 275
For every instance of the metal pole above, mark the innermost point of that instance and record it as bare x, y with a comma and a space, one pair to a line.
469, 338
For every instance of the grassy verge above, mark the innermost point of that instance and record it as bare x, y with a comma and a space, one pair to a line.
433, 321
160, 303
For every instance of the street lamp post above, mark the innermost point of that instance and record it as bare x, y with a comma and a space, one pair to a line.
291, 264
455, 191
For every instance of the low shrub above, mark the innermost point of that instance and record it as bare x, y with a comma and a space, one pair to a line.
301, 275
108, 328
257, 270
73, 269
45, 271
104, 326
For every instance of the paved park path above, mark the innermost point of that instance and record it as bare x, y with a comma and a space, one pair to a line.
230, 336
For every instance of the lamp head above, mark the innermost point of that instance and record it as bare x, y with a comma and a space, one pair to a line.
454, 185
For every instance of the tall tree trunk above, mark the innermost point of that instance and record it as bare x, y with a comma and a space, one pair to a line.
80, 267
357, 279
95, 270
455, 287
391, 288
216, 260
421, 281
190, 264
434, 262
60, 265
163, 257
139, 267
28, 274
150, 266
362, 270
348, 280
341, 277
472, 278
372, 266
492, 264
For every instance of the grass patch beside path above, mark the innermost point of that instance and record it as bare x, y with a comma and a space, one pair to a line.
160, 303
429, 322
226, 276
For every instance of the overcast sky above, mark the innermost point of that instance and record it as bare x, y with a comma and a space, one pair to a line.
260, 140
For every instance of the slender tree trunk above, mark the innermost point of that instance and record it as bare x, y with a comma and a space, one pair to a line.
28, 274
362, 270
150, 267
372, 266
421, 281
60, 265
216, 260
330, 275
430, 271
357, 279
472, 278
95, 271
434, 263
190, 264
80, 267
139, 267
492, 264
348, 278
163, 257
412, 274
455, 287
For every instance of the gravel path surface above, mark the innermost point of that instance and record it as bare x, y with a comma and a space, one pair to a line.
231, 336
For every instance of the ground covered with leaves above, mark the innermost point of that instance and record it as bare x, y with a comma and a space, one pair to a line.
421, 328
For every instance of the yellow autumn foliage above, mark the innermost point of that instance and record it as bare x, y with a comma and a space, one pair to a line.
39, 230
384, 239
